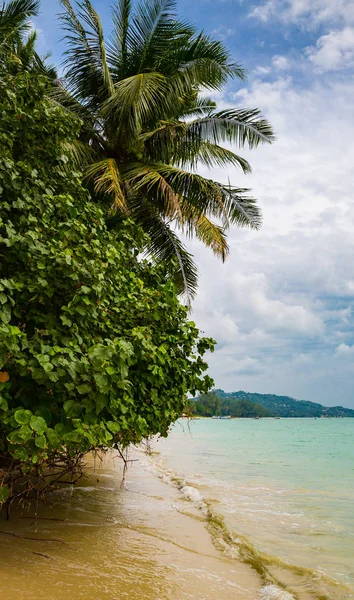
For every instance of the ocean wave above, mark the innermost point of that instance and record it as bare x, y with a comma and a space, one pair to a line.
236, 547
191, 493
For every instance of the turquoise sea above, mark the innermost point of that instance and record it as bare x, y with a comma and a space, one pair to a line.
284, 486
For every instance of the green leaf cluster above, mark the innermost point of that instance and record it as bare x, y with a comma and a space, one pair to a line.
97, 347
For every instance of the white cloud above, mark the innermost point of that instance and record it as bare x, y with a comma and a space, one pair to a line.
250, 295
223, 32
246, 365
308, 13
345, 349
284, 298
280, 63
262, 70
333, 51
263, 12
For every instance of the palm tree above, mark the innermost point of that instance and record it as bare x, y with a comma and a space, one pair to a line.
148, 124
14, 25
15, 18
18, 39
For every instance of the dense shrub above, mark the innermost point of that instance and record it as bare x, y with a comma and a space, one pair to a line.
95, 348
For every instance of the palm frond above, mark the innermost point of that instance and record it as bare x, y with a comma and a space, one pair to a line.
242, 210
107, 180
73, 26
239, 126
43, 67
156, 186
90, 131
97, 43
205, 195
27, 49
82, 154
166, 247
208, 197
21, 51
153, 26
210, 155
211, 234
205, 62
201, 107
86, 70
118, 48
61, 95
15, 17
171, 143
160, 144
136, 100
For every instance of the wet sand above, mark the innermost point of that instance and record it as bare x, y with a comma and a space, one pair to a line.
144, 540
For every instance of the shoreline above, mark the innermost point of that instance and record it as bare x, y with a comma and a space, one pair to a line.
158, 536
143, 540
267, 498
280, 580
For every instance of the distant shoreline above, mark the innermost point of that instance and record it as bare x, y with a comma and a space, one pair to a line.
243, 404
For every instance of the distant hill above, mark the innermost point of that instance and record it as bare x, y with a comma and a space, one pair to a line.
211, 404
284, 406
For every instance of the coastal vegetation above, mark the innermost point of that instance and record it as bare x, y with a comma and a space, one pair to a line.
97, 171
95, 347
211, 404
245, 404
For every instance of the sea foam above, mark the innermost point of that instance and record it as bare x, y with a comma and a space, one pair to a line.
191, 493
272, 592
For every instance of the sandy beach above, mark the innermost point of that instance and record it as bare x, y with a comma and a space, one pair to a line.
186, 522
143, 540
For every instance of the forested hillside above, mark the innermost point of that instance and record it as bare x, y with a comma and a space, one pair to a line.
285, 406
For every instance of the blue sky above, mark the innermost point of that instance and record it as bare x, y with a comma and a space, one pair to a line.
282, 306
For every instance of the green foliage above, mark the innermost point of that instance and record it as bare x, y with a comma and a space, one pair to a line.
207, 405
14, 18
284, 406
4, 494
17, 40
95, 348
243, 408
212, 404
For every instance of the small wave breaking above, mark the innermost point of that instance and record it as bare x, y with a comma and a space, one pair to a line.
272, 592
272, 570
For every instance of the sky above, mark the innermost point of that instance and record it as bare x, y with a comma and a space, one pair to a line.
282, 306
